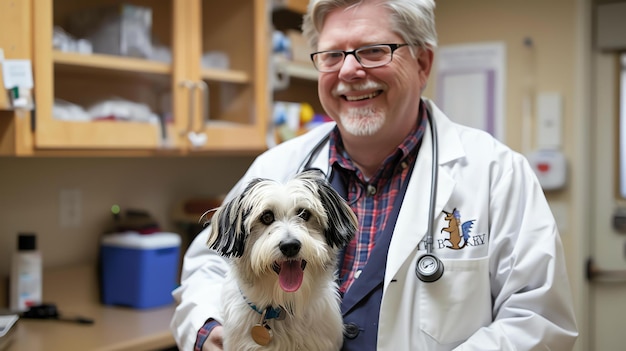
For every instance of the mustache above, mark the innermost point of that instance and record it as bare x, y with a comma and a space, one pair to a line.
343, 88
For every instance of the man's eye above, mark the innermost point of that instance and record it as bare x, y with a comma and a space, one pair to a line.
373, 52
267, 217
330, 56
304, 214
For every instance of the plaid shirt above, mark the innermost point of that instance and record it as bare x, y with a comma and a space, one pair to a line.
203, 333
372, 200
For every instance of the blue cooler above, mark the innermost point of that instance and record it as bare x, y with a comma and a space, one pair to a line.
139, 270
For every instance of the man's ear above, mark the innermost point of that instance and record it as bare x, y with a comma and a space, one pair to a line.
425, 63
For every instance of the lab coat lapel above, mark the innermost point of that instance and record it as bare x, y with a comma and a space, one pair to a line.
320, 161
412, 223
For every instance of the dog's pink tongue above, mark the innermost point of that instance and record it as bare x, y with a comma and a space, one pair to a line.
291, 275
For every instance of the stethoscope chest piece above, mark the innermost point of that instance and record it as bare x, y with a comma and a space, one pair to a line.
429, 268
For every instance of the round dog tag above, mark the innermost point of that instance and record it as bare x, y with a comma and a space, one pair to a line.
261, 334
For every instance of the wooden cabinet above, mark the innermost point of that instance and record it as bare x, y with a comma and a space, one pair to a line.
200, 109
295, 6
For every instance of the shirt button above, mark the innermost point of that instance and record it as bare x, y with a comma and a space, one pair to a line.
357, 274
351, 330
404, 165
371, 190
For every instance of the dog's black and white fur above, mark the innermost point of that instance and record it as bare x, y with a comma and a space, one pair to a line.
283, 241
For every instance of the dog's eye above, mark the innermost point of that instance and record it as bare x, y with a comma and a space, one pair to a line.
304, 214
267, 217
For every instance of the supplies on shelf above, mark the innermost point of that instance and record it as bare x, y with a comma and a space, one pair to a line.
64, 41
291, 119
123, 29
112, 109
215, 59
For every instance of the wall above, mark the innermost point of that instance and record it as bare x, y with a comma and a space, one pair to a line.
30, 188
556, 62
549, 65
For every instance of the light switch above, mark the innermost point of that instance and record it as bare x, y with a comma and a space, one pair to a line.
549, 120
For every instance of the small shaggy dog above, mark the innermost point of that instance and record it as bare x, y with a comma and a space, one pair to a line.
283, 241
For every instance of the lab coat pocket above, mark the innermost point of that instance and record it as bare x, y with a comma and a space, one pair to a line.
459, 303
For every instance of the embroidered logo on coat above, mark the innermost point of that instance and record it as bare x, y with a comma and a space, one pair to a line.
458, 232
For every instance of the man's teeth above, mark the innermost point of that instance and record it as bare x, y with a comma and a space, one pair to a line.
362, 97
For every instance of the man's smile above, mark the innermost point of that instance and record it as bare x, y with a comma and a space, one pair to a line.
363, 96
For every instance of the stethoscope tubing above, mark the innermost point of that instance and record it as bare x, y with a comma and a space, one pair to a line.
433, 186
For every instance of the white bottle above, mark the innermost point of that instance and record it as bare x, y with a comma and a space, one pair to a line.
26, 277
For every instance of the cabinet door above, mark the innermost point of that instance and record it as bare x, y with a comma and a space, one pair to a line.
15, 35
142, 82
229, 96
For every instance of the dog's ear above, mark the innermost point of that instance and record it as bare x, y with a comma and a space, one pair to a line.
342, 222
228, 225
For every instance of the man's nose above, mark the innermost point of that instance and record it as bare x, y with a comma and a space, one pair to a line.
350, 66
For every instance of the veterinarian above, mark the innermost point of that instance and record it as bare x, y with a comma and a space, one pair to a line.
504, 284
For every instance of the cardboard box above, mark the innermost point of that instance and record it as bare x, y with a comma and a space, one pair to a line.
139, 271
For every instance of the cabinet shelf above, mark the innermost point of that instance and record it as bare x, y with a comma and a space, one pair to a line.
110, 62
70, 61
301, 70
297, 6
229, 76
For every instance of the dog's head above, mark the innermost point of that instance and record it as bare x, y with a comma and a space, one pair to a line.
284, 228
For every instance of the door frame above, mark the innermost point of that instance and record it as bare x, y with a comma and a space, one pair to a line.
581, 170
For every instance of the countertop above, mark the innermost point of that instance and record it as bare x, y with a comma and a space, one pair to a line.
75, 292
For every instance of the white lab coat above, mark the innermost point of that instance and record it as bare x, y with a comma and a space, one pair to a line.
507, 289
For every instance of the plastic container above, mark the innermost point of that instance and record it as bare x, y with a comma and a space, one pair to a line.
139, 271
26, 276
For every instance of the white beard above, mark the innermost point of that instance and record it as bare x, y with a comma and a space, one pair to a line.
362, 121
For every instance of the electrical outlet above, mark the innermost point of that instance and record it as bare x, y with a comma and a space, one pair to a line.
70, 208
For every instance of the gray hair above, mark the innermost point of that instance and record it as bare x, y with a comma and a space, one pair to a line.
413, 20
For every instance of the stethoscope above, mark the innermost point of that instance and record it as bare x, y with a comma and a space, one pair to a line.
429, 267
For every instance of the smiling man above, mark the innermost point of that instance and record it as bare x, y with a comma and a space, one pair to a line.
380, 103
456, 246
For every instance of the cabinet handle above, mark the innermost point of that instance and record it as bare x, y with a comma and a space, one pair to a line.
197, 139
596, 274
204, 87
190, 87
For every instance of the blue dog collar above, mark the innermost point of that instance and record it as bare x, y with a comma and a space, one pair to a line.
270, 312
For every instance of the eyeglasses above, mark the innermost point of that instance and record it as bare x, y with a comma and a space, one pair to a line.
369, 56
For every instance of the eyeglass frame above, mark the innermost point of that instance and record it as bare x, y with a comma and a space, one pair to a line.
393, 48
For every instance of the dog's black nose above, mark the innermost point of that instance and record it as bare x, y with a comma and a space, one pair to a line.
290, 248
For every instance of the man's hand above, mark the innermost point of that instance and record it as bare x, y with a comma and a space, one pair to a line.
214, 341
